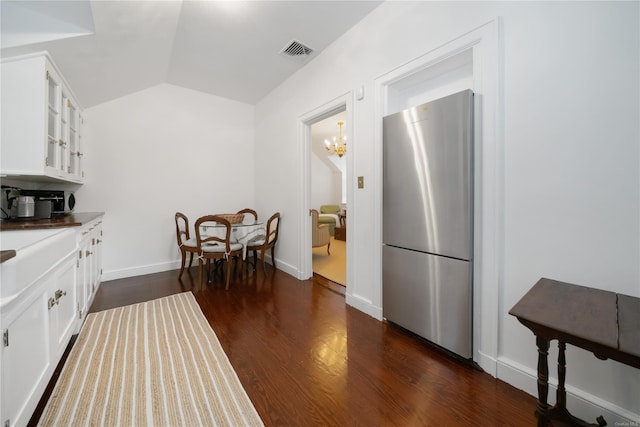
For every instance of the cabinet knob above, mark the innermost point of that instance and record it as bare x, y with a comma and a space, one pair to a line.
60, 293
51, 303
87, 253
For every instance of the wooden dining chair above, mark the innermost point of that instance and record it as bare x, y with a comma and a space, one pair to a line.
217, 246
248, 211
186, 244
268, 241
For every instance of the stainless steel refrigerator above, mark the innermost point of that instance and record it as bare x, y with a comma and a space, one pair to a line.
428, 221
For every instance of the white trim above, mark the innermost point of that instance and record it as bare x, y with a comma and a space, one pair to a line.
304, 185
486, 42
143, 269
286, 267
483, 359
340, 103
365, 305
585, 405
175, 265
282, 266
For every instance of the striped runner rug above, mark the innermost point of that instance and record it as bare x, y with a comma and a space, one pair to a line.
157, 363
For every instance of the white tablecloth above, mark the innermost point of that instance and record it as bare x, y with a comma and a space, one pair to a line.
240, 233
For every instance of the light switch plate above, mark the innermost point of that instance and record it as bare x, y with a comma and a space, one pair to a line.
361, 182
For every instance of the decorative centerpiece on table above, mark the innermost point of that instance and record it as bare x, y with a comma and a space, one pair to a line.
233, 218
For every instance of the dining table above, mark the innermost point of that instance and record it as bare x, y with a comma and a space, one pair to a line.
243, 232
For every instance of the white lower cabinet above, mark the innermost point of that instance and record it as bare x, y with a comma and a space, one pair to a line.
36, 328
25, 360
63, 308
89, 266
38, 324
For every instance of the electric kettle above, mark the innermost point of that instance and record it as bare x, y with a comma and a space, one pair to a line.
26, 207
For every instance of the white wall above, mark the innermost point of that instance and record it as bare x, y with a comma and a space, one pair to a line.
325, 184
156, 152
569, 200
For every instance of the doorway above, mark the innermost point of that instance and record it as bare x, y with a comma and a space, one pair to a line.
329, 196
339, 105
477, 52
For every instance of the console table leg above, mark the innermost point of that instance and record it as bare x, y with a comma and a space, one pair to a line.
561, 393
543, 382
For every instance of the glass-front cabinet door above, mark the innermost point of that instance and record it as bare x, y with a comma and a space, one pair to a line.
64, 156
63, 165
41, 122
75, 151
54, 131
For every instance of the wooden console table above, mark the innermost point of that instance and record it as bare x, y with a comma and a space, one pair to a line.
602, 322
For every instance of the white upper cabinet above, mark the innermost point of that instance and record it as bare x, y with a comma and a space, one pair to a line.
41, 122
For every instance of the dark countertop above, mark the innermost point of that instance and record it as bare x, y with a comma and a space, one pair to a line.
6, 255
67, 220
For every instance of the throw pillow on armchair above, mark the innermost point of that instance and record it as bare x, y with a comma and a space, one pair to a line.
329, 215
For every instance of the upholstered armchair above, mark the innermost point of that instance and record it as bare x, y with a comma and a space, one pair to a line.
329, 214
319, 232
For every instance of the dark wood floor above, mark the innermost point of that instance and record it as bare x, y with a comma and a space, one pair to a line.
306, 358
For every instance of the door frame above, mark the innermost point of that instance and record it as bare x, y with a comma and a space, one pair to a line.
305, 121
488, 275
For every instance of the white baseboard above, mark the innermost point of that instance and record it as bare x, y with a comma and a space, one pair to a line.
356, 301
579, 402
174, 265
489, 364
140, 270
364, 305
283, 266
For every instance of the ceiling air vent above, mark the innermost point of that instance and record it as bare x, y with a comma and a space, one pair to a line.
296, 49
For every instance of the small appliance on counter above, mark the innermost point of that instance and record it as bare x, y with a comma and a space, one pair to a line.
18, 206
60, 202
26, 207
43, 209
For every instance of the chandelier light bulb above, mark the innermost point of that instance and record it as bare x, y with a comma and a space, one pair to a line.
339, 145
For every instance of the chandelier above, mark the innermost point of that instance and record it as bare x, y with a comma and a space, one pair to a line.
338, 145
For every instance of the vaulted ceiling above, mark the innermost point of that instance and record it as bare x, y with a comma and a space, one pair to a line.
232, 49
